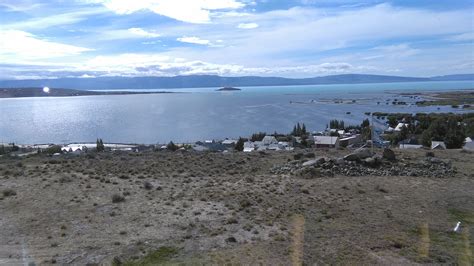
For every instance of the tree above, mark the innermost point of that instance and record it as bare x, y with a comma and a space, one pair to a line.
239, 146
303, 130
455, 135
99, 145
258, 136
392, 121
171, 146
404, 133
365, 123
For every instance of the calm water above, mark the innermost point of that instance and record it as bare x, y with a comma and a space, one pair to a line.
202, 113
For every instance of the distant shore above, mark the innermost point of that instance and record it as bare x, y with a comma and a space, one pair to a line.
59, 92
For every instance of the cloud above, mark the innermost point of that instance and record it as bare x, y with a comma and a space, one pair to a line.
468, 36
143, 33
192, 11
195, 40
247, 26
135, 65
16, 45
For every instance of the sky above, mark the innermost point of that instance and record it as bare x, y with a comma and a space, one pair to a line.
294, 38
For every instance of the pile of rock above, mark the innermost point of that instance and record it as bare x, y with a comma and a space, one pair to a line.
364, 163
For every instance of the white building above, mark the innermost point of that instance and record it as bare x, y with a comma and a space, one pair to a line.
267, 140
326, 141
399, 127
438, 145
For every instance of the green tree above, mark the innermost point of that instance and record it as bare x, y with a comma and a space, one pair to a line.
455, 135
171, 146
365, 123
392, 121
403, 133
99, 146
239, 146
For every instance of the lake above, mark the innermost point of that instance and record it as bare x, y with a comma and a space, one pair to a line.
203, 113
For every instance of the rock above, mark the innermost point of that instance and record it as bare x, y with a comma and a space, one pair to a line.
309, 173
309, 155
363, 153
309, 163
388, 154
430, 154
351, 157
340, 161
298, 156
321, 160
370, 161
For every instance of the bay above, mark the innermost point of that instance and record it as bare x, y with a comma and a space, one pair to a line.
203, 113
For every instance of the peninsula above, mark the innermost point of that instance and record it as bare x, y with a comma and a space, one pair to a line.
60, 92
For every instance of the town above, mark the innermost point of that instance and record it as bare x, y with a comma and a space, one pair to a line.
403, 131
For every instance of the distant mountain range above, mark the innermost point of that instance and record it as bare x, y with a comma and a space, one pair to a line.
195, 81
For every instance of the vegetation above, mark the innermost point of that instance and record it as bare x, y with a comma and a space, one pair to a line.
100, 145
336, 124
172, 147
53, 149
239, 146
160, 256
299, 130
258, 136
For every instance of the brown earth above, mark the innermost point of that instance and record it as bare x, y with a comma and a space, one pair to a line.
212, 208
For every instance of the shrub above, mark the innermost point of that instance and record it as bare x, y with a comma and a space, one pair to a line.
9, 192
239, 146
53, 149
116, 198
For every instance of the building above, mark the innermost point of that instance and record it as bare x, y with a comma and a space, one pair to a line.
326, 142
354, 139
469, 146
229, 142
399, 127
438, 145
409, 144
267, 140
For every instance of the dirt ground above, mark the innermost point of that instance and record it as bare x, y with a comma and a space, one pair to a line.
192, 208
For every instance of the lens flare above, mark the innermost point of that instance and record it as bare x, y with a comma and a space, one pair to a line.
46, 90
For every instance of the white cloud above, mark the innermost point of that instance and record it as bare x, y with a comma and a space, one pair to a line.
16, 45
192, 11
143, 33
195, 40
468, 36
247, 26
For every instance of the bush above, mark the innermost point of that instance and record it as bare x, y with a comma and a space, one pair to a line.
239, 146
172, 147
9, 192
116, 198
53, 149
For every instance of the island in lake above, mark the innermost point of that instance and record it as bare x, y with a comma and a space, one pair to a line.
229, 89
59, 92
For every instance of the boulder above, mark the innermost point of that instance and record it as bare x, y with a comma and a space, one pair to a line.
370, 161
309, 163
351, 157
363, 153
388, 154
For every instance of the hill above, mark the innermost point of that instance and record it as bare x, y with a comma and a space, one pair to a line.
196, 81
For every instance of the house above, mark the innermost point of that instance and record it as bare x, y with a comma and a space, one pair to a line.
469, 146
351, 140
409, 144
326, 142
249, 146
399, 127
229, 142
438, 145
267, 140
